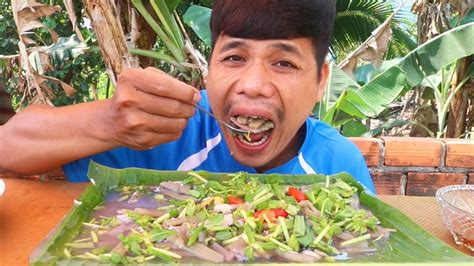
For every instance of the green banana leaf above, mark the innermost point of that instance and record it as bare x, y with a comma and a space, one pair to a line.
172, 4
372, 98
409, 244
198, 18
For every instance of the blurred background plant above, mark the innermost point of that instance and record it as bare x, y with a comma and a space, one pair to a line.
392, 74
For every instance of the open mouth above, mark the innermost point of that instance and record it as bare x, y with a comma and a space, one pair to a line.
259, 129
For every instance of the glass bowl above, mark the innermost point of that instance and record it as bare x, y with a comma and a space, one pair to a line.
457, 207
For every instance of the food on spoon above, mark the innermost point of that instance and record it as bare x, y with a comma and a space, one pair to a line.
237, 220
258, 128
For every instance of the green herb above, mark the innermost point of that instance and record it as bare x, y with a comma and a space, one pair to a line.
159, 234
293, 243
173, 213
99, 250
248, 252
214, 221
224, 235
117, 258
292, 209
231, 240
159, 197
299, 226
262, 199
248, 220
162, 218
198, 177
163, 254
194, 193
267, 245
132, 243
273, 204
194, 234
284, 228
308, 237
321, 235
279, 244
67, 253
95, 237
249, 233
355, 240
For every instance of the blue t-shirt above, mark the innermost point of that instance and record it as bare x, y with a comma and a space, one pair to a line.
202, 147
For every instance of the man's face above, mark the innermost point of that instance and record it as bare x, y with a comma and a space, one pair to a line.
268, 85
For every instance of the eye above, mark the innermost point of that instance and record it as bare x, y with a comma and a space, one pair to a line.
234, 58
285, 64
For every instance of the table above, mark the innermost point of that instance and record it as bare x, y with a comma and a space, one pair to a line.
30, 209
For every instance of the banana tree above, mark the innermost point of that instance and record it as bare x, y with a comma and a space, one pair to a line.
185, 62
439, 85
371, 99
356, 20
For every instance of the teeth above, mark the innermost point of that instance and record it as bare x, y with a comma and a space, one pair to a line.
243, 139
256, 123
242, 120
268, 125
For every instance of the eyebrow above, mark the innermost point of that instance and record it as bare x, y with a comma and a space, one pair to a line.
233, 44
280, 45
286, 47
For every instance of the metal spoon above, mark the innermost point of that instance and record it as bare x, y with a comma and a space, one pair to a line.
230, 127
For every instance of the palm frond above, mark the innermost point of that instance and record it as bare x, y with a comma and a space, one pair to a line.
355, 21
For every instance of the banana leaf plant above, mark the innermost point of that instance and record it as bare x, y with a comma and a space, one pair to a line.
370, 100
177, 51
439, 87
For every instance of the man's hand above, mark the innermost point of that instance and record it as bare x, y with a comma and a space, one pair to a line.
149, 108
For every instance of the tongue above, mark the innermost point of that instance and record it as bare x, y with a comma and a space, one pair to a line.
256, 136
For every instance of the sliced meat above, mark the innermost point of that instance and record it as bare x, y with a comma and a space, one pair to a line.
292, 256
150, 212
203, 252
228, 256
177, 196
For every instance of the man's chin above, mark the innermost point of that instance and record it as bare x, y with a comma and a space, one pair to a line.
255, 161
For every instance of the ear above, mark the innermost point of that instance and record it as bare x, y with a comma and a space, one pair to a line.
322, 81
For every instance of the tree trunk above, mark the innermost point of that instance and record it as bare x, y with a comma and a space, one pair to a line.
433, 19
458, 110
105, 17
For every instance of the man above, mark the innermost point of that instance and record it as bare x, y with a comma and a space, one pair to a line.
267, 71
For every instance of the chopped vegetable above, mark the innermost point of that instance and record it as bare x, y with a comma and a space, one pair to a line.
234, 200
297, 194
236, 220
270, 214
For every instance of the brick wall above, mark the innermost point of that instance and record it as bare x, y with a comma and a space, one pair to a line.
417, 166
399, 166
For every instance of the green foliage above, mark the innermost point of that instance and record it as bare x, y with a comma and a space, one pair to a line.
175, 52
82, 71
198, 18
439, 86
371, 99
9, 39
355, 21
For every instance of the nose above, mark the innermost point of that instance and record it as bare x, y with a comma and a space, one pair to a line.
256, 81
